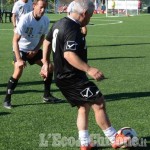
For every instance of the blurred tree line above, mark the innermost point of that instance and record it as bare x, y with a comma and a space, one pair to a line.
12, 1
8, 4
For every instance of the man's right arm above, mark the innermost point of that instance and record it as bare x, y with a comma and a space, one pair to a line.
14, 20
19, 60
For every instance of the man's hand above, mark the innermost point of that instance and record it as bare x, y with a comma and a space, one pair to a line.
44, 71
21, 63
95, 73
31, 54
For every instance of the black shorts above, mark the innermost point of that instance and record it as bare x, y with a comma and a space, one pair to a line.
79, 91
38, 56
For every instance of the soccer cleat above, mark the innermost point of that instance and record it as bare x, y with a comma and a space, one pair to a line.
7, 105
86, 147
89, 147
51, 99
121, 141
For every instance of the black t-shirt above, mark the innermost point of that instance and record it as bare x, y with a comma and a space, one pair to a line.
65, 35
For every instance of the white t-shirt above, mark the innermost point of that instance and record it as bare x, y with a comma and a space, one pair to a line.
31, 31
20, 8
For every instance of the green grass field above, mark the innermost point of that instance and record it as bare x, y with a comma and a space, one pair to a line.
120, 48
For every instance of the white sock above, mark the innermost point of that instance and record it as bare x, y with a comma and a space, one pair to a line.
110, 134
84, 138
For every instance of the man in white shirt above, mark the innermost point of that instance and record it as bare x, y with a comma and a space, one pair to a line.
28, 38
20, 8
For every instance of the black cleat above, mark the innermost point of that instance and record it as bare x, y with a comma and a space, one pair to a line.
7, 105
51, 99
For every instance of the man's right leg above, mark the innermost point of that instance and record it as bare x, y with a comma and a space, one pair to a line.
12, 83
82, 124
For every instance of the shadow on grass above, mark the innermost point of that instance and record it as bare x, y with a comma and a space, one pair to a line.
119, 44
26, 83
105, 58
109, 97
36, 91
4, 113
2, 92
100, 148
35, 104
120, 96
28, 91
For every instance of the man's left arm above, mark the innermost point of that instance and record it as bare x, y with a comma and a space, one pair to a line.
46, 59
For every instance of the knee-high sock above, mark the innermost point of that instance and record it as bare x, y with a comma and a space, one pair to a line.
12, 83
47, 85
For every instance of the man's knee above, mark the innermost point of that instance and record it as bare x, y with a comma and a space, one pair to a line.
84, 109
18, 72
100, 103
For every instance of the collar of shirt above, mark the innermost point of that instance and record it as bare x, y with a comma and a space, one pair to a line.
74, 20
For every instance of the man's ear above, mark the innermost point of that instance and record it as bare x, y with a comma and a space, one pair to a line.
33, 5
84, 13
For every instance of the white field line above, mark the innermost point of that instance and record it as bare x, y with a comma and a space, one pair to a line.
101, 18
108, 22
102, 24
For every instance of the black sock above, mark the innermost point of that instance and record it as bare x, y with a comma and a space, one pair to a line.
47, 85
12, 83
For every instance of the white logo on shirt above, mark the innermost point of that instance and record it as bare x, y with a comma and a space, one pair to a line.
71, 45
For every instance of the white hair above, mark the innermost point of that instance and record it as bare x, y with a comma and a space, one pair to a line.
70, 6
81, 6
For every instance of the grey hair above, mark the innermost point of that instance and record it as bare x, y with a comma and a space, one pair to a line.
81, 6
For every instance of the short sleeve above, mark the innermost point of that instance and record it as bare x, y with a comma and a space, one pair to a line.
49, 35
20, 29
14, 10
71, 41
